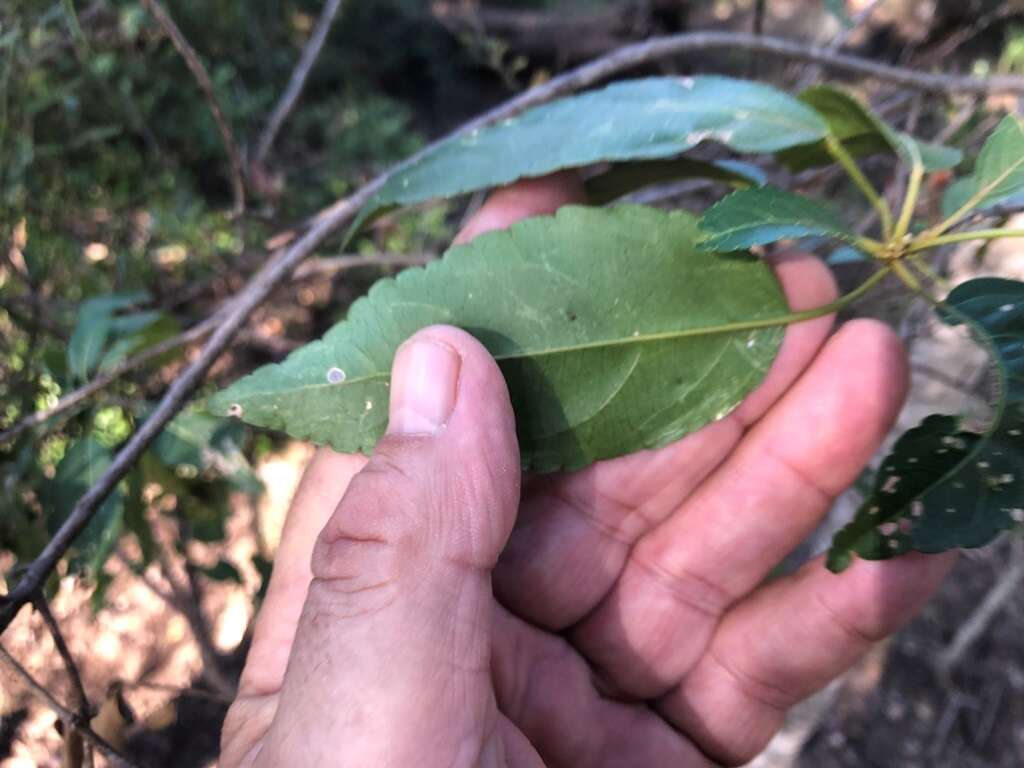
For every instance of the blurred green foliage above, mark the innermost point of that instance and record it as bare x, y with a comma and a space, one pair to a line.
114, 192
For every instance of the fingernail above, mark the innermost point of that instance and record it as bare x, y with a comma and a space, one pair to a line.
424, 380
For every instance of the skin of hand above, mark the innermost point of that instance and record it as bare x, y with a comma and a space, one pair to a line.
431, 606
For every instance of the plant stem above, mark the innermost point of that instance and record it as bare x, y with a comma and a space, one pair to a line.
838, 151
926, 271
903, 273
910, 200
960, 237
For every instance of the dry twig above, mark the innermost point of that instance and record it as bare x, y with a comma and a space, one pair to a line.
291, 94
279, 266
202, 78
69, 718
81, 699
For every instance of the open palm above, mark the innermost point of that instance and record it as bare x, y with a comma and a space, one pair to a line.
461, 615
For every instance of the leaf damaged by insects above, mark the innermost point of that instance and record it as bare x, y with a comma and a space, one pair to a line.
944, 486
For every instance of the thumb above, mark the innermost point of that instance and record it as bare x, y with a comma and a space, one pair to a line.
390, 664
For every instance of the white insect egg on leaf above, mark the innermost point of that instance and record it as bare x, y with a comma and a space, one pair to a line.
235, 410
335, 375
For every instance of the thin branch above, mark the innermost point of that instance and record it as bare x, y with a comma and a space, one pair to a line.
279, 266
69, 718
79, 696
291, 94
202, 78
333, 265
1005, 588
191, 693
65, 654
760, 9
838, 41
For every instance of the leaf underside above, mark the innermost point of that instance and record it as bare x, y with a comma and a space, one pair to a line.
765, 215
643, 119
944, 486
604, 322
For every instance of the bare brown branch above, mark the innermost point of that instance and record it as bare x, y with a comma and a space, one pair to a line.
202, 78
73, 740
279, 266
297, 82
69, 718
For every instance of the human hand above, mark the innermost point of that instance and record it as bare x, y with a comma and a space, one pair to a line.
617, 616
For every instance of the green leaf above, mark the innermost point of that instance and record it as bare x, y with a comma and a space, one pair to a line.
606, 323
624, 178
838, 9
135, 520
222, 571
83, 463
161, 327
94, 326
862, 133
998, 175
764, 215
946, 486
194, 442
642, 119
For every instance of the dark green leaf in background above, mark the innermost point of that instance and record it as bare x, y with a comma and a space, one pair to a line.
765, 215
944, 485
94, 326
195, 442
642, 119
624, 178
82, 465
606, 324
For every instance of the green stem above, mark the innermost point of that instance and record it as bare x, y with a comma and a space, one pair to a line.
909, 201
903, 273
926, 271
745, 325
924, 243
838, 151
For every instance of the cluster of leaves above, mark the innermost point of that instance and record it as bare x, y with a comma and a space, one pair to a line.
625, 328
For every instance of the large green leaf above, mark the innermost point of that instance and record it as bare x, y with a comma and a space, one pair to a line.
764, 215
606, 323
642, 119
998, 175
862, 133
945, 486
83, 463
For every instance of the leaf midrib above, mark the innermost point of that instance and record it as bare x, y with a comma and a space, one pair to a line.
761, 324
